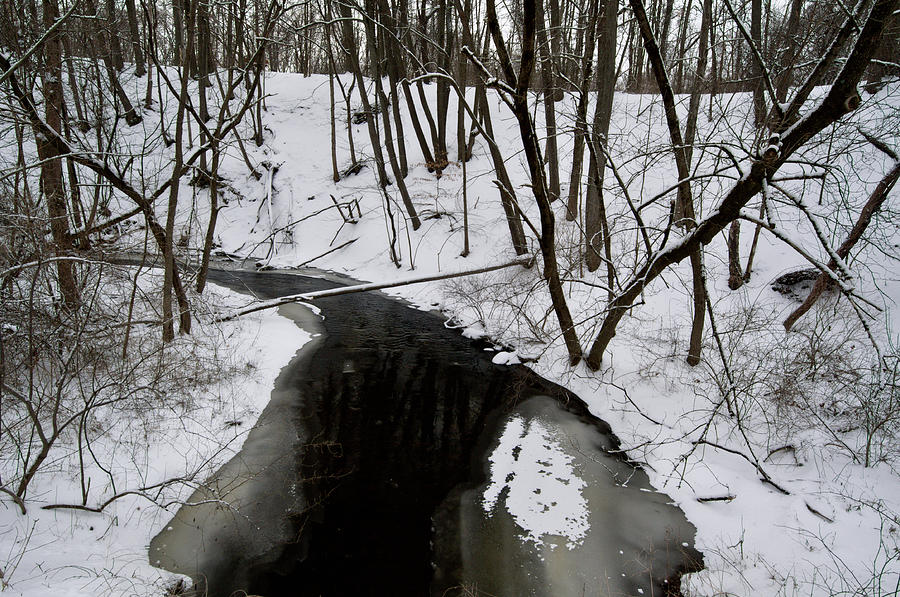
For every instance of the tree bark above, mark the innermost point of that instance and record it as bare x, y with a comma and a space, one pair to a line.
131, 115
735, 275
682, 44
139, 67
551, 153
507, 197
581, 129
115, 47
51, 160
170, 271
443, 87
759, 98
790, 42
594, 209
417, 126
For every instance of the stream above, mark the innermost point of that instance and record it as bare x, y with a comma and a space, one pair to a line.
395, 458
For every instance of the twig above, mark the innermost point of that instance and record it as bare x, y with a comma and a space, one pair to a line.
716, 498
328, 252
819, 514
19, 501
765, 477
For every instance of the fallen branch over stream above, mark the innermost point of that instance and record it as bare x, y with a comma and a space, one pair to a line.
310, 296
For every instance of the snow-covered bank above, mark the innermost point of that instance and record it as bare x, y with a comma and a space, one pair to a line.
77, 553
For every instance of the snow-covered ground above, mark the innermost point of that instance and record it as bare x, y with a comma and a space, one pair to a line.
835, 532
161, 459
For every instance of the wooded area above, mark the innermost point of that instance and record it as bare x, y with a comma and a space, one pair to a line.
577, 48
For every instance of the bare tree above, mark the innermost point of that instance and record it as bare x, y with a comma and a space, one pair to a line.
516, 88
841, 97
596, 226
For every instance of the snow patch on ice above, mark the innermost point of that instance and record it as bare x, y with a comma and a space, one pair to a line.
538, 483
506, 358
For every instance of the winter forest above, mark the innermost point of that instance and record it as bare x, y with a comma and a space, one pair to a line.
676, 223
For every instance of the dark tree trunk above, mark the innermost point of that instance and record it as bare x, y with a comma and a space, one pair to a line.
417, 126
594, 209
551, 154
443, 87
581, 129
759, 98
790, 45
51, 163
115, 46
531, 147
507, 192
682, 44
131, 115
735, 275
139, 68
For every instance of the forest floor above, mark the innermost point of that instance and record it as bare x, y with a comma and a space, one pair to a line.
794, 417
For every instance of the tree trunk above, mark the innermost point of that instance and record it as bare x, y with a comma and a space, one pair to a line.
759, 98
423, 101
139, 68
417, 126
594, 223
462, 67
735, 275
551, 154
664, 31
73, 85
682, 44
547, 238
353, 59
443, 88
393, 65
790, 43
170, 274
115, 47
507, 197
51, 162
335, 174
178, 32
131, 115
209, 240
699, 82
587, 60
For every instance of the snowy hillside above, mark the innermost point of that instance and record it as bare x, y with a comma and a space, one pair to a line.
781, 447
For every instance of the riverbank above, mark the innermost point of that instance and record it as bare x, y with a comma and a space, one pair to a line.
70, 552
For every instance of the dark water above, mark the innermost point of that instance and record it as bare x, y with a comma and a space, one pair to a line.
365, 474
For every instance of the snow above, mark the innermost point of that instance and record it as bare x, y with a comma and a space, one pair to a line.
544, 489
837, 531
76, 553
506, 357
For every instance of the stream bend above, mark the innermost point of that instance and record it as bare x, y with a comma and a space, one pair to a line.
395, 458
